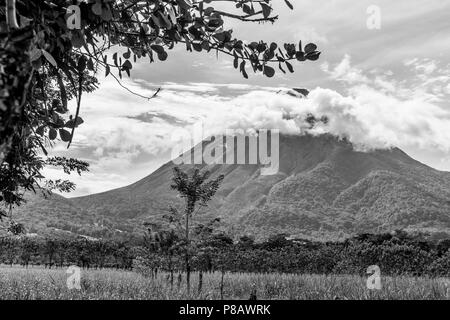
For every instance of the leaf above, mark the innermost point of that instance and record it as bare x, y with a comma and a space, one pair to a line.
266, 9
290, 49
289, 66
77, 39
90, 64
242, 68
97, 8
107, 70
115, 59
157, 48
300, 56
40, 130
65, 135
313, 56
156, 21
289, 4
273, 46
162, 56
208, 11
52, 134
35, 54
71, 123
281, 68
310, 47
247, 9
269, 71
127, 54
220, 36
205, 45
197, 46
127, 65
81, 64
165, 19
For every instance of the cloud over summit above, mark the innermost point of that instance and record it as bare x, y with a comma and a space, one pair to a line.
375, 109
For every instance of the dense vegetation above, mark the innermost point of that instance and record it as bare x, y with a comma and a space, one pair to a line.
53, 252
396, 254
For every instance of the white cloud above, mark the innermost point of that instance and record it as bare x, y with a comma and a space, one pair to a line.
375, 111
424, 66
366, 116
423, 79
343, 71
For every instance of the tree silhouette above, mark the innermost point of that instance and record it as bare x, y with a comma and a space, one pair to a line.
197, 192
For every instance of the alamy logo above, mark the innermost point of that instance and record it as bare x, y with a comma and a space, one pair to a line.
374, 19
74, 280
234, 147
73, 17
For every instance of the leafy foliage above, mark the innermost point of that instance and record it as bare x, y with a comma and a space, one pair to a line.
47, 61
60, 252
395, 253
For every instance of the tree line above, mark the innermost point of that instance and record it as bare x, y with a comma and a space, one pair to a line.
59, 252
396, 253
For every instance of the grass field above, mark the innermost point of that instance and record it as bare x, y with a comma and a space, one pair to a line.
39, 283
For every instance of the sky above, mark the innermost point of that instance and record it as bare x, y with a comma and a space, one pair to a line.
380, 87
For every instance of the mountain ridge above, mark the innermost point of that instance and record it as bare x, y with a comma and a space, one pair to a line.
324, 189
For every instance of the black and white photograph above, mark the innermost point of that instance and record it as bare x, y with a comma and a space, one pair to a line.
236, 151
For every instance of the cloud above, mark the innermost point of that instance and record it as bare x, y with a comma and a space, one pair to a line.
376, 110
343, 71
424, 79
125, 137
427, 67
367, 117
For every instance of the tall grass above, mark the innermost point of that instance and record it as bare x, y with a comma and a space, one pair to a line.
39, 283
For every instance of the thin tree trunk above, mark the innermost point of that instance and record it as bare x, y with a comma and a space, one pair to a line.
171, 271
188, 267
179, 280
200, 282
188, 276
221, 285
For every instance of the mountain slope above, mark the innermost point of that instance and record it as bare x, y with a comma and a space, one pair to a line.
324, 189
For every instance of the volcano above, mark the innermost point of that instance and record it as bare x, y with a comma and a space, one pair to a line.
324, 189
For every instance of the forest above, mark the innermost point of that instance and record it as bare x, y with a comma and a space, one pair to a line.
396, 253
